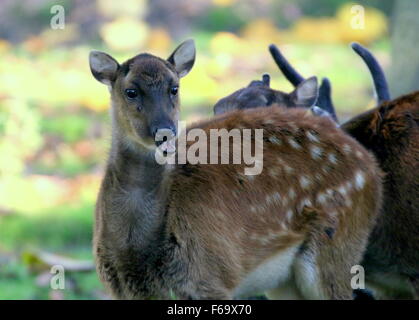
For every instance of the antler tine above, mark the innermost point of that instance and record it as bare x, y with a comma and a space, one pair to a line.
266, 79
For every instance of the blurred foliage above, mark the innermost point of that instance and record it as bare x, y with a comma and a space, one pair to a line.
375, 27
54, 125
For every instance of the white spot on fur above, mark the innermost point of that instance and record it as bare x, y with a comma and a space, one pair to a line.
316, 152
332, 158
347, 148
321, 198
304, 182
311, 136
288, 169
359, 154
306, 202
359, 180
274, 197
342, 190
269, 121
274, 140
289, 215
294, 143
291, 193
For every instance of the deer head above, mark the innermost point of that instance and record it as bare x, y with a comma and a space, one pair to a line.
259, 94
144, 91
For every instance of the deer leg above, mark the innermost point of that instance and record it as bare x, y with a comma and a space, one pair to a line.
288, 291
204, 290
323, 266
324, 274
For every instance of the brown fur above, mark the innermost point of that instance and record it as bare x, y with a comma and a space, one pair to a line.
197, 244
391, 132
200, 230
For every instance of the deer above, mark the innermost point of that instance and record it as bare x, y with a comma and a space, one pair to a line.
260, 94
208, 231
324, 100
390, 131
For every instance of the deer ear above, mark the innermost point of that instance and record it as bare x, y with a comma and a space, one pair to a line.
306, 93
183, 57
103, 67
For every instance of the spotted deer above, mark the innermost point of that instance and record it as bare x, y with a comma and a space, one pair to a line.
391, 132
208, 231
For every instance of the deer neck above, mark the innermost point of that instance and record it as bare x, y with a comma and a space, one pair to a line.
134, 191
136, 164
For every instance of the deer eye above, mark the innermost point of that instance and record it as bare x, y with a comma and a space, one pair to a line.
174, 90
131, 93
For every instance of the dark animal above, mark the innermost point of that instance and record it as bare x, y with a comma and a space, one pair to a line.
391, 132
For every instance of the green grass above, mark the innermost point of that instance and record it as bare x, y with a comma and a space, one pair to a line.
63, 231
63, 227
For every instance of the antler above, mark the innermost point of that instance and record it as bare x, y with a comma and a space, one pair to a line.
377, 73
324, 100
289, 72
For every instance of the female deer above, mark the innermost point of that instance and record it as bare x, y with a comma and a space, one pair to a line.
209, 231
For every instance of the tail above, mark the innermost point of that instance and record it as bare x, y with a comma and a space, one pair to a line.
377, 73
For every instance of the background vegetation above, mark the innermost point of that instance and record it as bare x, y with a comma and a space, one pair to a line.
54, 126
